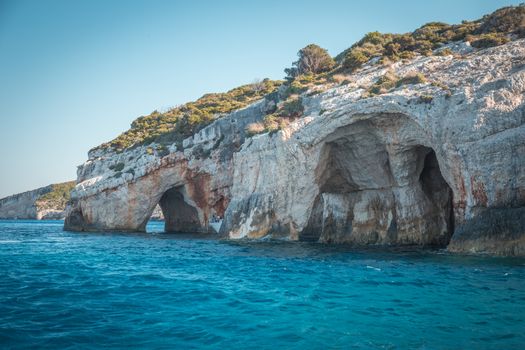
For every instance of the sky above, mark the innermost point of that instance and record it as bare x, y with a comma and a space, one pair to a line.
75, 74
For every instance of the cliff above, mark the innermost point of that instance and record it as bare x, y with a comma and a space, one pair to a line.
44, 203
426, 151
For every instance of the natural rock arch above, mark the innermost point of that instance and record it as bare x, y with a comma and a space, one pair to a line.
179, 215
375, 188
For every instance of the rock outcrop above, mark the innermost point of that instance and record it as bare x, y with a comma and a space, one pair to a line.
39, 204
439, 163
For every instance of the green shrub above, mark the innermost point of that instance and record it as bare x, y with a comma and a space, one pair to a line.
440, 85
384, 84
162, 150
291, 108
445, 52
286, 111
412, 79
355, 59
313, 59
294, 88
487, 40
405, 55
271, 123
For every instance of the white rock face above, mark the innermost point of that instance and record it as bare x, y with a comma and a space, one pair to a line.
23, 206
440, 163
119, 191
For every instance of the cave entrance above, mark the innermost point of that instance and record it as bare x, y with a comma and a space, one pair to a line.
179, 214
371, 195
354, 179
439, 196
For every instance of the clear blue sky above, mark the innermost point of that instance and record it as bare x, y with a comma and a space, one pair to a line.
74, 74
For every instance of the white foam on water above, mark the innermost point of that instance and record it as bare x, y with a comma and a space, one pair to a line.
373, 268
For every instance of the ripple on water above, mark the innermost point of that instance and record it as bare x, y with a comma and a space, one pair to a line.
71, 290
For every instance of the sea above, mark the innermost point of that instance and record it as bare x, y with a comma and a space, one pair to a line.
70, 290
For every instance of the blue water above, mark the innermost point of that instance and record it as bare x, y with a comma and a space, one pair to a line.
73, 290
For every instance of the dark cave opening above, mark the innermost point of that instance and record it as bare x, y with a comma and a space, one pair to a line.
361, 201
179, 216
439, 194
354, 162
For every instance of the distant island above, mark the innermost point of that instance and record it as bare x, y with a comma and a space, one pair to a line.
44, 203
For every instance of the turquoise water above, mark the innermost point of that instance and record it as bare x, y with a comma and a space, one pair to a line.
72, 290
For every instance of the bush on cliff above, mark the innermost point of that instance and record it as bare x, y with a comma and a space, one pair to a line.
491, 30
390, 80
411, 79
487, 40
384, 84
286, 111
312, 60
291, 108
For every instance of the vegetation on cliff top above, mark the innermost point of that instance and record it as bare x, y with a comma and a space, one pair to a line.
57, 198
491, 30
316, 67
182, 121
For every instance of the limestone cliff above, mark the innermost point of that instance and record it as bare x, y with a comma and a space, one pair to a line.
437, 163
44, 203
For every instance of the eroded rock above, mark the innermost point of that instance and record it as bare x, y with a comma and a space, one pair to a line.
420, 165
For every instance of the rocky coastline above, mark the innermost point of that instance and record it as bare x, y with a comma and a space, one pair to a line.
437, 163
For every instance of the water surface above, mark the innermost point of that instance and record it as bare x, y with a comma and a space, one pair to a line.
80, 291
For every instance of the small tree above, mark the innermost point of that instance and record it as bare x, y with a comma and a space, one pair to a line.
312, 60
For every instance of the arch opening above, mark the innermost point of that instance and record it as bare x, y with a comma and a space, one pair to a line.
440, 198
178, 214
373, 192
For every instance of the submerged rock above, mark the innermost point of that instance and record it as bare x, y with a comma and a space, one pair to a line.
439, 163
